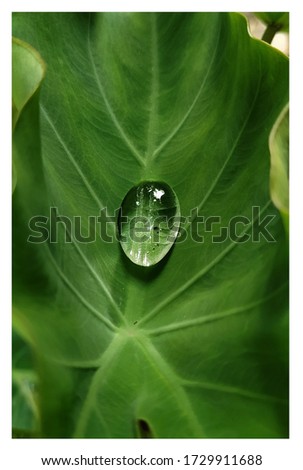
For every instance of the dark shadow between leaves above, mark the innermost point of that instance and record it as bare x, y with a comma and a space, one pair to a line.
143, 430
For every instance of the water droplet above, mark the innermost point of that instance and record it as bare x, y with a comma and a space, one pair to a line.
148, 222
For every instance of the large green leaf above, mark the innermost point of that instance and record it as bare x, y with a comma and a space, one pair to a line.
196, 345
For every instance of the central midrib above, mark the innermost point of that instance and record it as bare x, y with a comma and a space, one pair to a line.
154, 94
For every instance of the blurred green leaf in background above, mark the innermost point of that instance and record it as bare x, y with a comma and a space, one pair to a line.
279, 19
279, 171
275, 22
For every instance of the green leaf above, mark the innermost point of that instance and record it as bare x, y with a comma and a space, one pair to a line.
276, 22
275, 18
195, 346
25, 408
28, 70
30, 193
279, 170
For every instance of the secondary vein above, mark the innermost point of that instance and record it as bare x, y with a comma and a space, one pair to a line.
172, 381
109, 108
106, 361
99, 280
79, 296
198, 275
230, 154
192, 106
214, 317
234, 390
72, 159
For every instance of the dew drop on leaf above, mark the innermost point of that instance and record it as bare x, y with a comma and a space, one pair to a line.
148, 222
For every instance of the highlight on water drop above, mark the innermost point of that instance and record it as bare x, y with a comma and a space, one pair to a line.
148, 222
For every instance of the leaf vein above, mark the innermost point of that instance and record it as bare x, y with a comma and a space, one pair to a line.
234, 390
166, 373
230, 154
99, 280
100, 376
198, 275
109, 108
79, 296
192, 106
72, 159
210, 318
